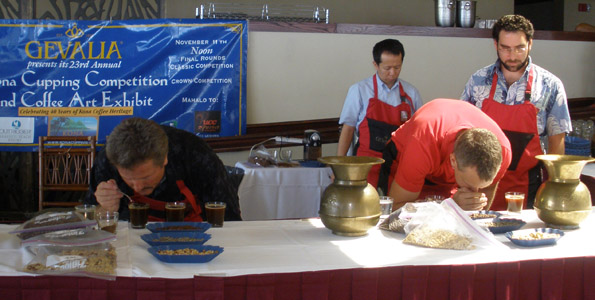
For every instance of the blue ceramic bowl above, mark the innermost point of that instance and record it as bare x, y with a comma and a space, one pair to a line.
534, 242
484, 214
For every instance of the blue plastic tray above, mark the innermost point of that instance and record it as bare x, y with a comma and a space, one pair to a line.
311, 164
170, 226
152, 238
534, 243
202, 258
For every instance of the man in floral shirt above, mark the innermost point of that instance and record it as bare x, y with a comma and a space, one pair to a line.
528, 102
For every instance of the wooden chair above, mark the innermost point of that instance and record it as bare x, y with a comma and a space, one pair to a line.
64, 165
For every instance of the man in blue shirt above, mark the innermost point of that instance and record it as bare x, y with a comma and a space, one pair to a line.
377, 106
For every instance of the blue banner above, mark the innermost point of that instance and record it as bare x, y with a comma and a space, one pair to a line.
77, 78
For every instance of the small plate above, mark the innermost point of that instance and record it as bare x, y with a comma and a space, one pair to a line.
178, 226
176, 238
484, 214
501, 225
177, 258
534, 242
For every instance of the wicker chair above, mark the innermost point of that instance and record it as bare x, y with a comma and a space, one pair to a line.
64, 165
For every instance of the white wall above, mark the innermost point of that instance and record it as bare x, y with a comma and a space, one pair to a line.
301, 76
573, 17
298, 76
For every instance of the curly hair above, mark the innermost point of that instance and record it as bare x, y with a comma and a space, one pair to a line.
134, 141
512, 23
480, 148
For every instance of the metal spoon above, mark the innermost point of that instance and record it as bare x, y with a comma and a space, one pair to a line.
126, 195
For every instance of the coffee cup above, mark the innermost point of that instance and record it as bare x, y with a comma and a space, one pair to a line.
107, 220
139, 214
515, 201
174, 211
215, 213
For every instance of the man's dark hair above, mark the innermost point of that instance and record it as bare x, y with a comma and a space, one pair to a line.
512, 23
480, 148
135, 141
389, 45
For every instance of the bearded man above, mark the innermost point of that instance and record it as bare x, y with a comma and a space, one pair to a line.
528, 103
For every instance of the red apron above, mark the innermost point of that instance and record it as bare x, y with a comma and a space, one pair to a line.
519, 123
158, 205
376, 128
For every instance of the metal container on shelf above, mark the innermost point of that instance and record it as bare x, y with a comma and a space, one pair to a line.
445, 12
466, 13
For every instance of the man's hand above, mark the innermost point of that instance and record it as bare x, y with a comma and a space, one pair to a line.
108, 195
470, 200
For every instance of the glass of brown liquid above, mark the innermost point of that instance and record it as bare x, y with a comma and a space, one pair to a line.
174, 211
139, 214
515, 201
215, 213
107, 220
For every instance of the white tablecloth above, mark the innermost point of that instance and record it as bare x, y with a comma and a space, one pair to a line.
281, 193
306, 245
589, 169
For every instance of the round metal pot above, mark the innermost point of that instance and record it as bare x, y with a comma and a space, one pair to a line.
350, 205
563, 201
466, 13
444, 12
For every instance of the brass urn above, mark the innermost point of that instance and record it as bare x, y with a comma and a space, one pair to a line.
563, 201
350, 205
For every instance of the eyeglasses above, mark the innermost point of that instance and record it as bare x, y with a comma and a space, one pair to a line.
516, 50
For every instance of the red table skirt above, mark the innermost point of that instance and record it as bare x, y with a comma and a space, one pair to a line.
569, 278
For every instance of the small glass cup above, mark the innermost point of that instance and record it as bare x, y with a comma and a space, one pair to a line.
215, 213
139, 214
434, 198
107, 220
86, 210
174, 211
515, 201
386, 205
285, 155
273, 154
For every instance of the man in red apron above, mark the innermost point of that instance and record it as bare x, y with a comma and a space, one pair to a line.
157, 164
526, 101
448, 148
377, 106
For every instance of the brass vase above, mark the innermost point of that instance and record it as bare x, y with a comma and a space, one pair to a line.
563, 201
350, 205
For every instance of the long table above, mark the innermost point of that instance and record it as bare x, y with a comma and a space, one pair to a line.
301, 259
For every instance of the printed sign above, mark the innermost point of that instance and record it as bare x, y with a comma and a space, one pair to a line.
16, 130
77, 78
